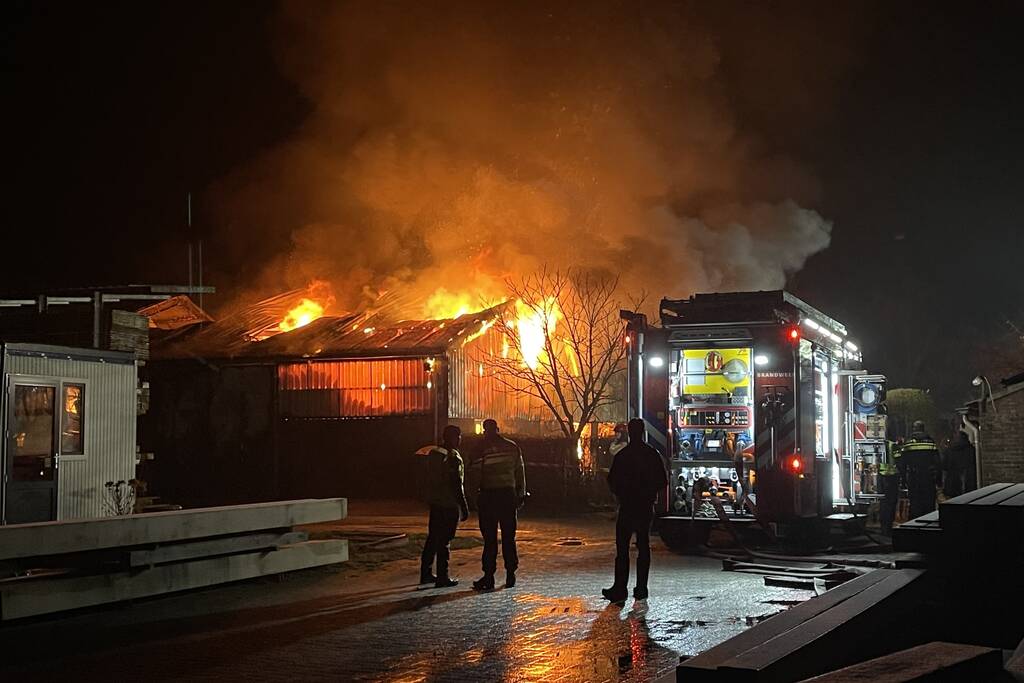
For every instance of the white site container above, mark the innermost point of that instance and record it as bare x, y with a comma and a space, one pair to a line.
69, 421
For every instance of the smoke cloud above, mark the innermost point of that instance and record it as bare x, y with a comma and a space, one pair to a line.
453, 145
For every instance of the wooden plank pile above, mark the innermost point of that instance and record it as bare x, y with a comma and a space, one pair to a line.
837, 628
129, 332
911, 623
56, 566
982, 520
937, 662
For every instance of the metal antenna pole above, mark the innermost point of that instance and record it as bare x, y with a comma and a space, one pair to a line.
200, 273
188, 225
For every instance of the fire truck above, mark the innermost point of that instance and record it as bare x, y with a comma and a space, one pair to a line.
762, 410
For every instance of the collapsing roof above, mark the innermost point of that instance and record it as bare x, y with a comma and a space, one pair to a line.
230, 335
358, 335
174, 314
253, 332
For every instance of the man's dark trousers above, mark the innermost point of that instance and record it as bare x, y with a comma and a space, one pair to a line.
887, 507
497, 507
440, 532
633, 520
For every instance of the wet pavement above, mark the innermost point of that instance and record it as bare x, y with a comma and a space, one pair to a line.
374, 624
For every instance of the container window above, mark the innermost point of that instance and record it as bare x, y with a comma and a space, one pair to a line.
72, 434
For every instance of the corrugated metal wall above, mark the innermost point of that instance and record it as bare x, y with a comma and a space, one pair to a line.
355, 388
475, 393
110, 413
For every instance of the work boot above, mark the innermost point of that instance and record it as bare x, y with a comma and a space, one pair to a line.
640, 593
427, 577
614, 594
484, 583
445, 582
510, 579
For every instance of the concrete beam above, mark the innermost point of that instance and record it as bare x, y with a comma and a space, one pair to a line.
72, 536
30, 597
228, 545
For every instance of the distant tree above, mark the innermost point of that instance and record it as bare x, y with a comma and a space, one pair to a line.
909, 405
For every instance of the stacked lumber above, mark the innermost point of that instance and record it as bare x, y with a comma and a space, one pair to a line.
58, 566
837, 628
921, 535
952, 662
129, 332
983, 520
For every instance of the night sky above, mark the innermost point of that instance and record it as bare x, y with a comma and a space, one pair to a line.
908, 117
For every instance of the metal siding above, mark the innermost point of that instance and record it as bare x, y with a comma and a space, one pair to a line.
473, 394
110, 422
352, 388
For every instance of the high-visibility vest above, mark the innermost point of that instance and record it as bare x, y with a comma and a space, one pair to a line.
917, 453
501, 466
889, 467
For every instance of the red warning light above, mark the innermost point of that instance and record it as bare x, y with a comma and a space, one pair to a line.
794, 334
796, 464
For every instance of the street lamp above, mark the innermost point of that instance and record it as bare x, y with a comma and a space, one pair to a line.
982, 381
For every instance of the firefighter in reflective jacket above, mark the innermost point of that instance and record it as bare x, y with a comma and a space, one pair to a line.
447, 500
890, 484
918, 462
502, 492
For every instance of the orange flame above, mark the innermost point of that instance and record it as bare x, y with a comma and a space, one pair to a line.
443, 304
306, 312
534, 326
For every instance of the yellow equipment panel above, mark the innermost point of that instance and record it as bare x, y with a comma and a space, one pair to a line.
715, 371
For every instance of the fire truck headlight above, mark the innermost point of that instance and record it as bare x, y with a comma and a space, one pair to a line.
760, 359
656, 361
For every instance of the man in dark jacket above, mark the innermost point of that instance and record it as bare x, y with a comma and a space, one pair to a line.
447, 499
636, 476
958, 467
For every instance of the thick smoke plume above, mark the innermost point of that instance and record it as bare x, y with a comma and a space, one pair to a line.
451, 146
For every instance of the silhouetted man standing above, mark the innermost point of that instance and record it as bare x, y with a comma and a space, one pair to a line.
502, 492
636, 477
447, 506
958, 466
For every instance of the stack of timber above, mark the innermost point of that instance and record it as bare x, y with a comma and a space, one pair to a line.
56, 566
835, 629
952, 662
985, 520
129, 332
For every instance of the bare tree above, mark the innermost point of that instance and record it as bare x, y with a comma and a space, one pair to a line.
563, 344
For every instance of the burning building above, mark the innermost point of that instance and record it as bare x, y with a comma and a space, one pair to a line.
278, 400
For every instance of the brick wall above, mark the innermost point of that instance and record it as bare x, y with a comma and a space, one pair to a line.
1002, 440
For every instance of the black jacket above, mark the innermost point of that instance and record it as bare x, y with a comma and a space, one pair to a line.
637, 475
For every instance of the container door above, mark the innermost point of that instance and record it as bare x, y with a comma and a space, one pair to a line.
30, 465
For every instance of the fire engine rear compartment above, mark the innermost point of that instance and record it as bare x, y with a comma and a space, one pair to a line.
752, 389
